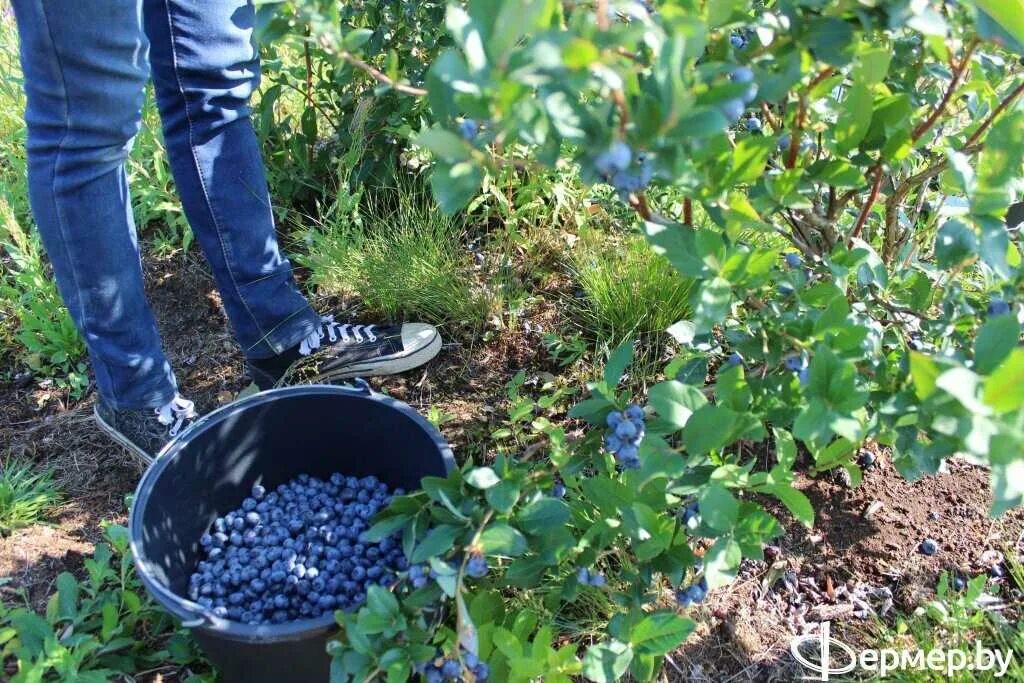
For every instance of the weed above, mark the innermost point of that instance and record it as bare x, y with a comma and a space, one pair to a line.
27, 495
53, 347
97, 629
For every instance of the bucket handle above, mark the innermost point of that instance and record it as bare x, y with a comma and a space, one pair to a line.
360, 385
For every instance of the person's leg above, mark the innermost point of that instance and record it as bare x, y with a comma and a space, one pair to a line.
85, 68
205, 67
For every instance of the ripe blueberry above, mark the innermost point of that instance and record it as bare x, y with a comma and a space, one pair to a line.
998, 307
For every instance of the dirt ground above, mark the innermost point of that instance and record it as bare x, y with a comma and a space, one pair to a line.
860, 560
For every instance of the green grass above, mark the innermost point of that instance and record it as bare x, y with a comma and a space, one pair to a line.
404, 259
627, 290
954, 620
27, 495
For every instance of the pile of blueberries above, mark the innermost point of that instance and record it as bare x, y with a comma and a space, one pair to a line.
295, 552
626, 432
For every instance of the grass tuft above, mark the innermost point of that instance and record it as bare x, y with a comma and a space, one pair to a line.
405, 259
626, 290
27, 495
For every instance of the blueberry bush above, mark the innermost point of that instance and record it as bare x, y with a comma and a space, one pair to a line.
833, 176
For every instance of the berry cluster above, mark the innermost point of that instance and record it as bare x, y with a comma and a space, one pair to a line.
441, 669
786, 139
626, 172
627, 431
692, 594
296, 552
588, 577
733, 109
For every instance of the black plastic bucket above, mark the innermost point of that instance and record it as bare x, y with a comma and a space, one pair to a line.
268, 438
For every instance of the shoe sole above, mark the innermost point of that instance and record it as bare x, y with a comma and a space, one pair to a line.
145, 459
388, 366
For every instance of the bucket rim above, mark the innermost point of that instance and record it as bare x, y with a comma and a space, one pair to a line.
194, 615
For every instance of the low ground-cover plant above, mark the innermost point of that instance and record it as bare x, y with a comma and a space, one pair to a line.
51, 346
97, 628
838, 130
27, 494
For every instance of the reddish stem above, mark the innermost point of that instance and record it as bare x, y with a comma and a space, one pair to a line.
954, 83
863, 217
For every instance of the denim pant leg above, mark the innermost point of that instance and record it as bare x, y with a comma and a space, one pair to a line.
205, 67
85, 67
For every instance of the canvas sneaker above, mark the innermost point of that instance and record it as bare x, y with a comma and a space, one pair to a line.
145, 432
342, 351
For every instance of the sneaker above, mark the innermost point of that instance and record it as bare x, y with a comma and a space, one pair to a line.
145, 432
345, 351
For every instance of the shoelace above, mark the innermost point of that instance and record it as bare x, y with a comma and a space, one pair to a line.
348, 333
176, 413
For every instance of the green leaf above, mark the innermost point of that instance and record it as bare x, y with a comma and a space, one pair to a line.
438, 540
854, 118
610, 496
384, 528
454, 185
503, 497
67, 596
543, 515
482, 478
1007, 473
722, 561
502, 539
955, 244
718, 507
963, 385
381, 602
607, 662
924, 371
709, 428
794, 500
748, 160
1004, 388
785, 448
356, 38
617, 364
832, 41
660, 633
1008, 14
677, 243
675, 402
445, 144
714, 300
468, 35
996, 338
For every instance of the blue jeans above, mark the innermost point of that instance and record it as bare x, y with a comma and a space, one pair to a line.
86, 63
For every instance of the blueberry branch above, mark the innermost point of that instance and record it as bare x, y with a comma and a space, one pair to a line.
958, 73
328, 44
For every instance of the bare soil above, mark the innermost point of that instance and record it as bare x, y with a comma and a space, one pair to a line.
850, 567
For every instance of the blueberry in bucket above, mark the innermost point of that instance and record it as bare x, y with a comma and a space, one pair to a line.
282, 563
